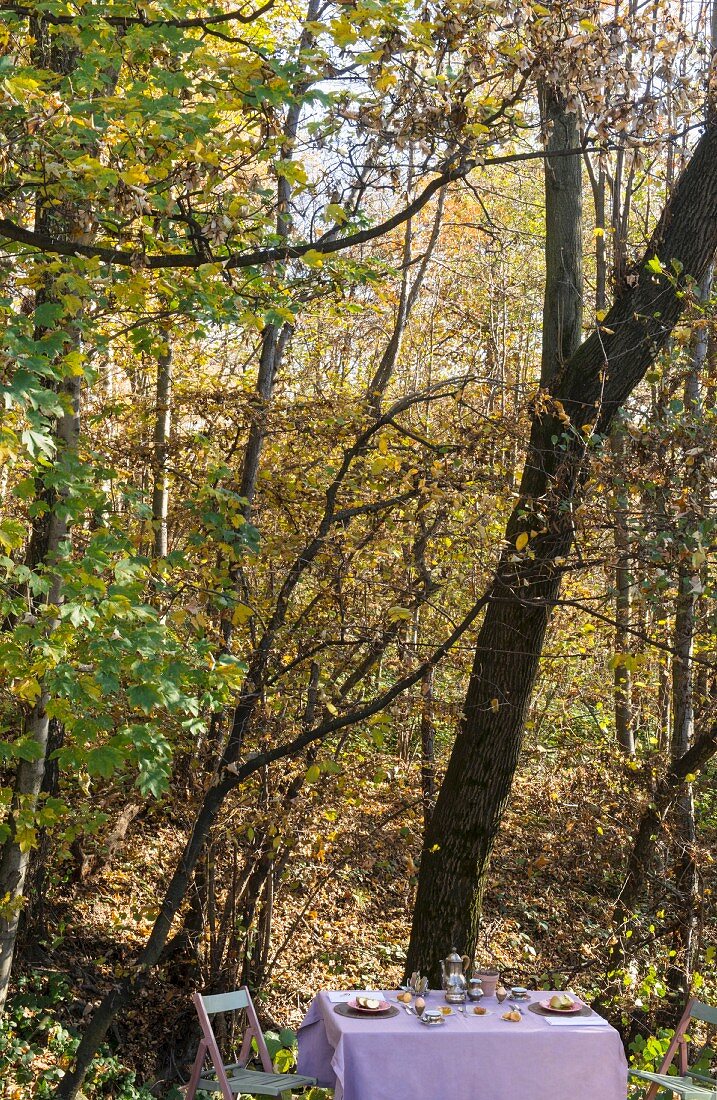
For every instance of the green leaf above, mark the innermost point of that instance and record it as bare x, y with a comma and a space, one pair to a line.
284, 1060
37, 443
28, 749
144, 696
47, 314
104, 761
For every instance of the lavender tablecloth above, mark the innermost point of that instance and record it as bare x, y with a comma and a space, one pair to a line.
469, 1058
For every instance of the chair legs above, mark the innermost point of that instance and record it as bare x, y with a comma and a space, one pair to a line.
196, 1071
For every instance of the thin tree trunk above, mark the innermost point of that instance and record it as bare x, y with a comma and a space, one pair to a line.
162, 421
275, 337
49, 532
689, 586
428, 749
653, 818
585, 395
563, 298
15, 859
624, 730
622, 676
408, 296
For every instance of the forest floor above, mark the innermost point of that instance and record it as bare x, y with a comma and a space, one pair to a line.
555, 875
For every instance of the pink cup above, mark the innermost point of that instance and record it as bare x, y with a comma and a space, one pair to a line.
489, 981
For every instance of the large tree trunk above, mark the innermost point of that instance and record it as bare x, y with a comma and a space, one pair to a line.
588, 392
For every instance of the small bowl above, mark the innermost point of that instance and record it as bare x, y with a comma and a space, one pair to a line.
519, 993
432, 1017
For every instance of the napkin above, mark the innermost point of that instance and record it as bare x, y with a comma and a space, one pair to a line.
576, 1021
346, 995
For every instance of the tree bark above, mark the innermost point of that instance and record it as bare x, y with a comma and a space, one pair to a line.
689, 586
49, 531
624, 731
563, 298
584, 398
162, 421
428, 749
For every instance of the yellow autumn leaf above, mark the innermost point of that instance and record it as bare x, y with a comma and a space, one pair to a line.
28, 689
313, 258
240, 614
522, 541
135, 174
385, 81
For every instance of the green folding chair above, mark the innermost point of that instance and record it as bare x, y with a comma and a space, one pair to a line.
230, 1080
689, 1083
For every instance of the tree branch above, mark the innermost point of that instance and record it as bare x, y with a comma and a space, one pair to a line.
239, 260
238, 16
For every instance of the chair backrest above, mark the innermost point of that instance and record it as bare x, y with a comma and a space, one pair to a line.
226, 1002
694, 1010
706, 1013
232, 1002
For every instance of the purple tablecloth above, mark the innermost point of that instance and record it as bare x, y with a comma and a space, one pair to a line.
469, 1058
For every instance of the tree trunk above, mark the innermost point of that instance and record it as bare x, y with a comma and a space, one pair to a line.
584, 398
49, 531
689, 586
162, 420
624, 730
563, 298
653, 817
428, 749
275, 337
15, 859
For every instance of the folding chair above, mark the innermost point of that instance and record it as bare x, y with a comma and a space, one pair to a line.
690, 1084
236, 1078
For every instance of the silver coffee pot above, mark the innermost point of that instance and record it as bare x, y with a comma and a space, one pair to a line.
453, 978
